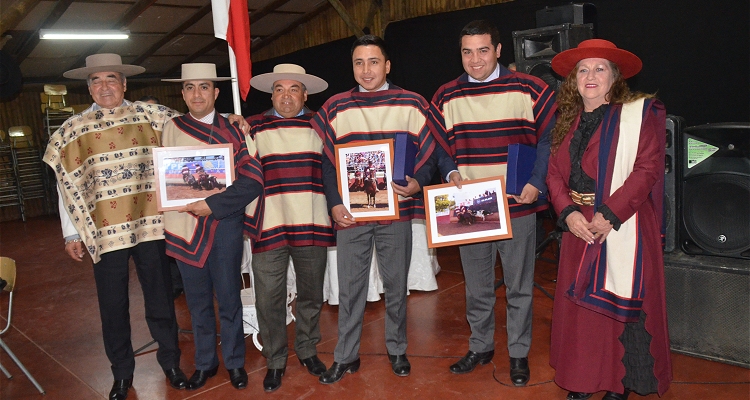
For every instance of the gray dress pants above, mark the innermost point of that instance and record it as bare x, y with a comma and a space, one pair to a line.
354, 253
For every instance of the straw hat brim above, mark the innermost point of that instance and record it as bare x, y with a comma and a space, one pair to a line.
84, 72
628, 63
214, 79
264, 82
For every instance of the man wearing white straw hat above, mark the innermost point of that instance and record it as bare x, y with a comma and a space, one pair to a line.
103, 166
205, 237
291, 220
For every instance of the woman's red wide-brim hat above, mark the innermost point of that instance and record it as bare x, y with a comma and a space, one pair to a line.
628, 63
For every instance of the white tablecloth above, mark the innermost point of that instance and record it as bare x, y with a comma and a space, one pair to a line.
424, 266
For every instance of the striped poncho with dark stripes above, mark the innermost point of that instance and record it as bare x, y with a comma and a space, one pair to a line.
292, 210
477, 122
355, 116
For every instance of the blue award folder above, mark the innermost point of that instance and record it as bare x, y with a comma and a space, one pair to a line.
404, 156
521, 159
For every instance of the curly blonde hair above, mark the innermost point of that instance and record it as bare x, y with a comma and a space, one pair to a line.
570, 102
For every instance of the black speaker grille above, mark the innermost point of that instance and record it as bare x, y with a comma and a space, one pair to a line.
708, 307
716, 212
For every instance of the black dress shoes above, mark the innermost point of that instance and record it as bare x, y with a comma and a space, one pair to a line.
519, 371
177, 378
400, 365
470, 361
120, 389
199, 378
616, 396
272, 381
314, 365
238, 377
578, 396
337, 371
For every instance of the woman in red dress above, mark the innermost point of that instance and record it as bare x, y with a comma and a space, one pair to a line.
606, 181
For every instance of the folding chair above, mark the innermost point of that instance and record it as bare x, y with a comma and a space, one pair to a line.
8, 279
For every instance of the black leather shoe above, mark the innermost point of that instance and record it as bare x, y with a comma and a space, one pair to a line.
177, 378
272, 381
519, 371
238, 377
337, 371
199, 378
120, 389
470, 361
314, 365
578, 396
400, 365
616, 396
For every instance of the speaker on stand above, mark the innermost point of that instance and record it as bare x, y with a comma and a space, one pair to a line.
675, 125
535, 48
714, 190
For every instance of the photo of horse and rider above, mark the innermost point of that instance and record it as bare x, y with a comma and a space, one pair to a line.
466, 212
187, 175
367, 181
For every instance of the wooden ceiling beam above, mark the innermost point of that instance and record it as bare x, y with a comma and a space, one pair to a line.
127, 18
174, 33
12, 15
33, 39
374, 6
385, 14
195, 55
269, 8
322, 6
357, 31
133, 13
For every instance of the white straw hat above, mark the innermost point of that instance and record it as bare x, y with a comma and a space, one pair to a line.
198, 72
105, 62
264, 82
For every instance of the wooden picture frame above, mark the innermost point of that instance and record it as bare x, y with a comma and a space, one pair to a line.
478, 212
186, 174
364, 201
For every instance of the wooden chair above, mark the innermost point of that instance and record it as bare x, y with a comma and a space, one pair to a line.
8, 280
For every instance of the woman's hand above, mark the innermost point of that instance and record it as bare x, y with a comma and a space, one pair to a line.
600, 227
579, 226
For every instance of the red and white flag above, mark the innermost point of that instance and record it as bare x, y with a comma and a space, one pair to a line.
232, 23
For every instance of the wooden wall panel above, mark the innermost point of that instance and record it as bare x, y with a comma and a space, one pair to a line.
328, 26
25, 109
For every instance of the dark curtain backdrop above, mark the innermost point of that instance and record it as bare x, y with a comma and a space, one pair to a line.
696, 56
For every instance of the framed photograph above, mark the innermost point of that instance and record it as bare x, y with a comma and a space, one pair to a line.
478, 212
190, 173
363, 170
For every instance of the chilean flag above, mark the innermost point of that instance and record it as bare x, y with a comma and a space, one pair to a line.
232, 23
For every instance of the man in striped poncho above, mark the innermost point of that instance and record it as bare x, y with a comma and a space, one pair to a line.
289, 220
374, 110
205, 237
478, 115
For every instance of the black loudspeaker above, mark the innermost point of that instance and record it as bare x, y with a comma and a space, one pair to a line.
675, 125
708, 307
714, 190
579, 14
535, 48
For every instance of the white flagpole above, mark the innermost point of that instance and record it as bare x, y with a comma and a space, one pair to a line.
235, 81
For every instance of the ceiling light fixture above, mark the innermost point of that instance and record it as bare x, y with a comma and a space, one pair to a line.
78, 34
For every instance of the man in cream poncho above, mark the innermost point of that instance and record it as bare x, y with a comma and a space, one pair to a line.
105, 178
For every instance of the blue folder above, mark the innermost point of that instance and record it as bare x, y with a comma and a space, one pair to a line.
521, 159
404, 156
